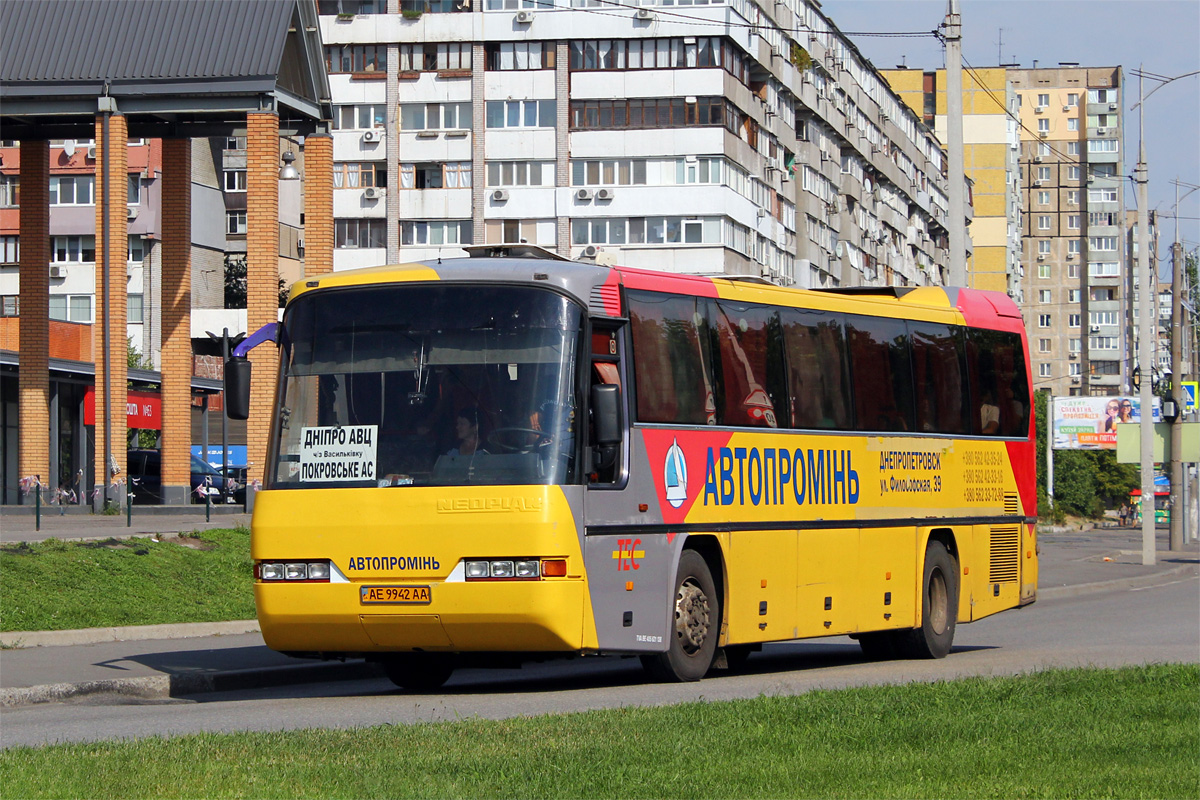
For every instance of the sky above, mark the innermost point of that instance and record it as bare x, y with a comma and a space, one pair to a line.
1158, 36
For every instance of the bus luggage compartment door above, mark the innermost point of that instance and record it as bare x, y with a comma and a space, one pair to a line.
631, 578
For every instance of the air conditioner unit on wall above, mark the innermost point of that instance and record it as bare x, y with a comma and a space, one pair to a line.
583, 194
524, 17
57, 271
500, 195
374, 192
590, 251
91, 152
643, 13
1101, 131
133, 212
604, 194
372, 136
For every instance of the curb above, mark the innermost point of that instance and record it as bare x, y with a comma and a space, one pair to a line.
1138, 582
164, 687
133, 633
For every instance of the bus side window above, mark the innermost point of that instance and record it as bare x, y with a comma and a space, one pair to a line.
881, 369
817, 375
939, 381
753, 385
999, 385
672, 368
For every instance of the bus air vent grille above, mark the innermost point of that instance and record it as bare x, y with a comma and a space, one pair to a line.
605, 300
1012, 505
1005, 554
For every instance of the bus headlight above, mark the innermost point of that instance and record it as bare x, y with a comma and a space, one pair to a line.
270, 572
503, 569
309, 571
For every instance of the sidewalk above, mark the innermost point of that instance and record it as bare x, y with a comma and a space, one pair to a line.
171, 660
20, 523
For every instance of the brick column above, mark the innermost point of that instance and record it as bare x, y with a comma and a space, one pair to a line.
318, 204
262, 275
176, 284
115, 291
34, 332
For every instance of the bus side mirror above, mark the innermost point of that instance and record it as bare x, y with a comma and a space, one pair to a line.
606, 413
237, 387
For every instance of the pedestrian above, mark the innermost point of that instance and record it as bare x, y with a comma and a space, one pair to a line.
1123, 513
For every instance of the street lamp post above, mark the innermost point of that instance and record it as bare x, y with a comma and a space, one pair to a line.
1148, 308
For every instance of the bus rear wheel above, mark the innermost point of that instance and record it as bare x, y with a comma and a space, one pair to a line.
696, 622
939, 607
419, 672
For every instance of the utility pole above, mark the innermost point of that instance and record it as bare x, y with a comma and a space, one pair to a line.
954, 132
1145, 336
1178, 507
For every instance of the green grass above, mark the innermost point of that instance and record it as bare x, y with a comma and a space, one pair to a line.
56, 585
1131, 732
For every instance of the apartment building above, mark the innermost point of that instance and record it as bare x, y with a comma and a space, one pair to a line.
1072, 168
719, 137
991, 150
73, 233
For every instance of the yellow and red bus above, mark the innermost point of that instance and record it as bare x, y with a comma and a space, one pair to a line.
504, 458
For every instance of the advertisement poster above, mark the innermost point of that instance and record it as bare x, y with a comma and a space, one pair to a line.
1090, 423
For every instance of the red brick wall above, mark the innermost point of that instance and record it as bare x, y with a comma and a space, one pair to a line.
115, 291
318, 205
34, 336
262, 275
176, 312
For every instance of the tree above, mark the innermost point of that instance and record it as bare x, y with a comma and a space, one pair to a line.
1114, 481
235, 282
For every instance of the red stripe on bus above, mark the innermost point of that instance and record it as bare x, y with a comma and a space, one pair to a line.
655, 281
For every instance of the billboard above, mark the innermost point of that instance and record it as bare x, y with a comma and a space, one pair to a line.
1090, 423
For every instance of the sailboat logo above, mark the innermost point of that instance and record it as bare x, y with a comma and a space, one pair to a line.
675, 475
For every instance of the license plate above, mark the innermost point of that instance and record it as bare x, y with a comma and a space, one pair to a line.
395, 594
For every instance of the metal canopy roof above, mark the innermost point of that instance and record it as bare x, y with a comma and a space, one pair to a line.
172, 68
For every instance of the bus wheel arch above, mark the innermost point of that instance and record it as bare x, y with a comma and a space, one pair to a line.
696, 617
940, 588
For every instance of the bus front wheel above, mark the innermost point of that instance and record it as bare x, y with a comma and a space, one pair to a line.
696, 622
419, 672
939, 607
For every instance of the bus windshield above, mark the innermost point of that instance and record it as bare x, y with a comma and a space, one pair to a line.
411, 385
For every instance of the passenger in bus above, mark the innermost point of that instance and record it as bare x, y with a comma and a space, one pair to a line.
466, 430
989, 413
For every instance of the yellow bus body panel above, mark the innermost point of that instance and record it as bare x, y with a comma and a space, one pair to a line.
362, 530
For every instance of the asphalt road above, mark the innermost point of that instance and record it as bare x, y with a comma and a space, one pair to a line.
1130, 626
